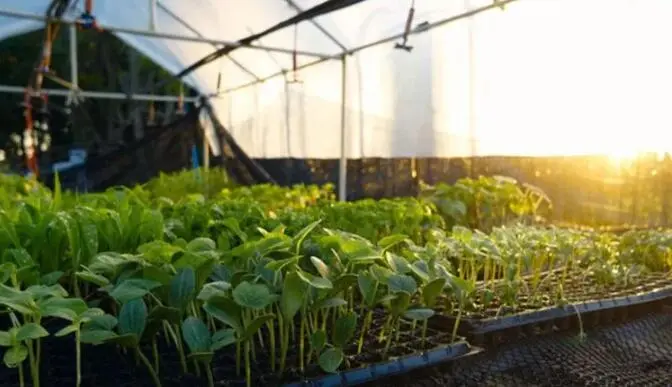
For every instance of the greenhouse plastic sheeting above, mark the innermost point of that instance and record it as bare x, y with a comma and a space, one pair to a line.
541, 77
634, 354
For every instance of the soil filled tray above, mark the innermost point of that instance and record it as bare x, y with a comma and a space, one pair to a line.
582, 295
111, 366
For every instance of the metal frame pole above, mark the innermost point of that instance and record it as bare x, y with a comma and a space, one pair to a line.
152, 15
153, 34
343, 162
390, 39
74, 66
98, 94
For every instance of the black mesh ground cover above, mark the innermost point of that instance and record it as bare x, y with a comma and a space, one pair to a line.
636, 353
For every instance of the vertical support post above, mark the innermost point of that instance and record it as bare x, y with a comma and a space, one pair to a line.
74, 70
472, 86
152, 15
343, 163
206, 152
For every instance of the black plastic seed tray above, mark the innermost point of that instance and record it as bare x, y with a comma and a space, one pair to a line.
478, 327
399, 365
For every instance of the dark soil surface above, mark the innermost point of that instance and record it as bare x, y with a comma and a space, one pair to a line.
106, 365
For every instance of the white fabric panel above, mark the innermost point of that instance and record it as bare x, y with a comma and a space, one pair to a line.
548, 77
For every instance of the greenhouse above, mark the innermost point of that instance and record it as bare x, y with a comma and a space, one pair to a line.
335, 193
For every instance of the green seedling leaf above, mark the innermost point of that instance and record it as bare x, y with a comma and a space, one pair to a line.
157, 274
15, 356
133, 318
400, 303
226, 311
253, 296
42, 291
418, 314
105, 322
318, 340
316, 282
93, 278
282, 263
320, 266
182, 288
223, 338
391, 240
343, 283
31, 331
128, 340
51, 278
65, 308
432, 291
301, 235
5, 339
165, 313
331, 359
368, 287
420, 269
196, 335
214, 289
255, 325
96, 336
132, 289
344, 330
398, 264
201, 357
67, 330
201, 244
402, 283
333, 302
381, 274
293, 296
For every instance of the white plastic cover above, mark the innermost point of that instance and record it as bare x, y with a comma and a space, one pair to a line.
542, 77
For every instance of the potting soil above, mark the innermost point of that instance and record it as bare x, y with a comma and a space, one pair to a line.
638, 353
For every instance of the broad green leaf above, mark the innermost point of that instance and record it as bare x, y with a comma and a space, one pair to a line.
196, 335
182, 288
132, 289
42, 291
314, 281
15, 356
256, 324
165, 313
226, 311
302, 234
293, 296
368, 287
96, 336
318, 340
398, 263
105, 322
5, 339
333, 302
31, 331
133, 318
381, 274
344, 330
331, 359
432, 291
282, 263
391, 240
253, 296
400, 303
343, 283
201, 244
402, 283
93, 278
320, 266
129, 340
418, 314
223, 338
213, 289
156, 274
65, 308
67, 330
51, 278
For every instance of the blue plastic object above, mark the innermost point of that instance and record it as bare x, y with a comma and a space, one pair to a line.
397, 366
87, 21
